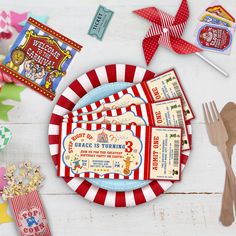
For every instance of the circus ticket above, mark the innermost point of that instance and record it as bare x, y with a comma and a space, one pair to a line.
162, 87
119, 151
100, 22
165, 113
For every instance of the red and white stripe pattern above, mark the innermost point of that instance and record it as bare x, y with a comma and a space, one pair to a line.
141, 92
85, 83
144, 113
166, 30
26, 204
143, 133
138, 90
66, 103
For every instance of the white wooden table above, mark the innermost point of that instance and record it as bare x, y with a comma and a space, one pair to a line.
190, 207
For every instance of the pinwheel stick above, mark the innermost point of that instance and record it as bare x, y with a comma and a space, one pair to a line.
212, 64
167, 30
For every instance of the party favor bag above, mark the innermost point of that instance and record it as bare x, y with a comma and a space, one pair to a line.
29, 215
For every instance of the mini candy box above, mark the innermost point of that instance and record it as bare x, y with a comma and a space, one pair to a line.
214, 38
40, 57
119, 151
217, 9
24, 200
162, 87
217, 20
165, 113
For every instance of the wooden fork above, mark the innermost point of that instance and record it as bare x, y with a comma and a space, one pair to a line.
218, 137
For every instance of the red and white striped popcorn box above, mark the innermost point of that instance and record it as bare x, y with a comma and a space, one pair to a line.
119, 151
29, 215
165, 113
162, 87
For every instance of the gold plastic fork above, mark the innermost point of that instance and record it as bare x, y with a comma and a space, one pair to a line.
218, 137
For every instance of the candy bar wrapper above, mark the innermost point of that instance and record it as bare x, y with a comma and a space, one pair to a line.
217, 20
162, 87
29, 215
217, 9
40, 57
214, 38
119, 151
165, 113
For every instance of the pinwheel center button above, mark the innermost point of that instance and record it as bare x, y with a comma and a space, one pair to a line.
165, 30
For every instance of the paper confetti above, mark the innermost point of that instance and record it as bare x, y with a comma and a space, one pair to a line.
9, 92
9, 20
4, 216
5, 136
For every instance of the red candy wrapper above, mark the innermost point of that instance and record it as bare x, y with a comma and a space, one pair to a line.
29, 215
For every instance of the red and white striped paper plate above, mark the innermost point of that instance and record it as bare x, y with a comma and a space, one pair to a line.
65, 104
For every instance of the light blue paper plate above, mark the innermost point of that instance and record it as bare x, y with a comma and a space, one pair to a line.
95, 95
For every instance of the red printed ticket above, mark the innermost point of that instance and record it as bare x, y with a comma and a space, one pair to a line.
119, 151
162, 87
165, 113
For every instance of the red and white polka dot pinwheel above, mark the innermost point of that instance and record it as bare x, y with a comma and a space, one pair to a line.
166, 30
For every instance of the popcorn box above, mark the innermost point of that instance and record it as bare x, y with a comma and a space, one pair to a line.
119, 151
165, 113
29, 215
162, 87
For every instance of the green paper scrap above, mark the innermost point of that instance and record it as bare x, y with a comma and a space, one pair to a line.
5, 137
9, 92
4, 109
